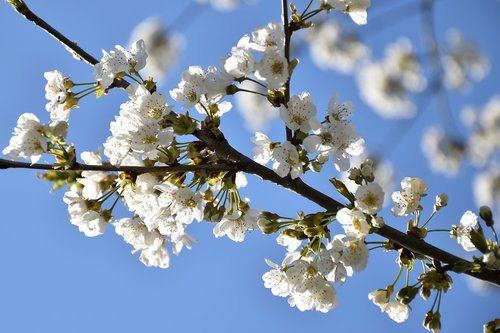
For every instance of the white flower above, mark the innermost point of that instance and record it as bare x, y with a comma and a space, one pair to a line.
28, 140
484, 140
91, 180
56, 94
222, 5
151, 244
262, 151
291, 243
333, 48
463, 62
300, 113
352, 252
468, 222
271, 36
162, 46
116, 149
380, 298
353, 222
443, 153
183, 202
142, 135
90, 222
191, 87
486, 185
369, 198
286, 161
273, 69
147, 105
235, 225
397, 311
276, 280
119, 60
355, 8
407, 200
241, 62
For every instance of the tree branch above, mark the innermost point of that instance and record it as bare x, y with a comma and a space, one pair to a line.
288, 38
6, 164
242, 163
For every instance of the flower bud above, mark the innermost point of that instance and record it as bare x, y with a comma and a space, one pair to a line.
356, 176
491, 327
486, 215
441, 201
432, 321
407, 294
268, 223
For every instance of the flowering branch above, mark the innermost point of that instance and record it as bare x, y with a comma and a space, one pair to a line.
235, 161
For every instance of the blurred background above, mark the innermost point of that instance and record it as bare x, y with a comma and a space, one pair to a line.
54, 279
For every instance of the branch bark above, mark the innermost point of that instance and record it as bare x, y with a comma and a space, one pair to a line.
6, 164
237, 160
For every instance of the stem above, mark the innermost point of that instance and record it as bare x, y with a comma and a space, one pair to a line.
246, 78
397, 276
441, 99
429, 219
307, 7
288, 37
252, 92
494, 233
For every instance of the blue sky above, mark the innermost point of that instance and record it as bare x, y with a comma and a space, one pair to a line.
54, 279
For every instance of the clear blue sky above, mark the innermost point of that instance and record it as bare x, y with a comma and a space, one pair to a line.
54, 279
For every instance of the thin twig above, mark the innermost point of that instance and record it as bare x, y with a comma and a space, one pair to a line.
434, 60
288, 38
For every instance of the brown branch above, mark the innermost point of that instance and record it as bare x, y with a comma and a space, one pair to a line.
241, 162
6, 164
79, 53
288, 38
433, 53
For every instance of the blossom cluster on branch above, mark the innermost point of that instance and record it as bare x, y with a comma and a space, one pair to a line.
147, 133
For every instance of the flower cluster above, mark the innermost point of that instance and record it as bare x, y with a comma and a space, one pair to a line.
333, 48
386, 85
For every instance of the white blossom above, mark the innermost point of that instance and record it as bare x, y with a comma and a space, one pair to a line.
333, 48
444, 154
463, 62
286, 160
56, 93
191, 87
151, 244
397, 311
271, 36
468, 222
369, 198
162, 46
119, 60
380, 298
273, 69
28, 140
236, 224
300, 113
407, 201
354, 222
